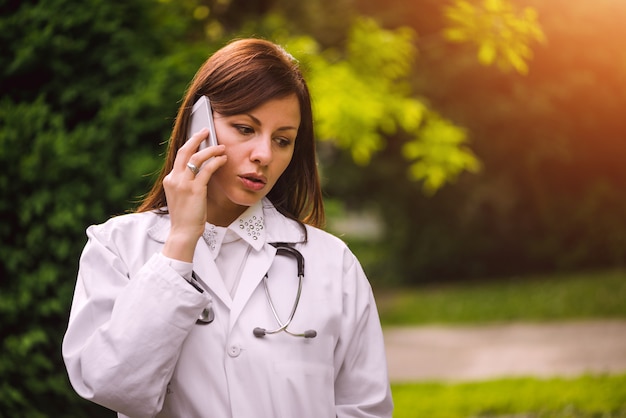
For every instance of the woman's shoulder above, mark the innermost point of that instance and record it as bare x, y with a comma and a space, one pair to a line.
284, 229
327, 238
130, 224
324, 242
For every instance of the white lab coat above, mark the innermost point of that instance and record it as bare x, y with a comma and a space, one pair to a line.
133, 345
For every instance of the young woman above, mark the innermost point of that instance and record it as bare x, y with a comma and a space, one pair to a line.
220, 297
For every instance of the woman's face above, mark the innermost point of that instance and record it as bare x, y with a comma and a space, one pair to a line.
259, 145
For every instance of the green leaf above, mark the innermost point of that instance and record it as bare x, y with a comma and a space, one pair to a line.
487, 53
501, 33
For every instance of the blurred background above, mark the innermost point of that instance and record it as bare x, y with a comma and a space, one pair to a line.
460, 142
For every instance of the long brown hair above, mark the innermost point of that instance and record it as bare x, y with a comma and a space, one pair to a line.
239, 77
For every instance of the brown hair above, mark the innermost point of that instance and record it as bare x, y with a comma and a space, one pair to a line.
237, 78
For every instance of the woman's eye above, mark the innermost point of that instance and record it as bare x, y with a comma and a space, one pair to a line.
283, 142
244, 130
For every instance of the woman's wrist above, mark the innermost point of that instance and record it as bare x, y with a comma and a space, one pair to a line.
180, 246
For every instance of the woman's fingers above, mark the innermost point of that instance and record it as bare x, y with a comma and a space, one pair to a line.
206, 161
191, 161
210, 166
186, 193
186, 185
189, 148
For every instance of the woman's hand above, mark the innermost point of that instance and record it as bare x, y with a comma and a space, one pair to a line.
186, 195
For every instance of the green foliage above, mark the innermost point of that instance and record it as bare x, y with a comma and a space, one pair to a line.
549, 196
362, 98
84, 111
439, 154
503, 35
583, 397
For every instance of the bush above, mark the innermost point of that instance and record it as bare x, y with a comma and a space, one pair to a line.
86, 90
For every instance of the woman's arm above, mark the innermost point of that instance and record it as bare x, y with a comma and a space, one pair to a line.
362, 383
124, 336
125, 333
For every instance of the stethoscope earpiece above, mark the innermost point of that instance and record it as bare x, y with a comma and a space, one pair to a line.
259, 332
262, 332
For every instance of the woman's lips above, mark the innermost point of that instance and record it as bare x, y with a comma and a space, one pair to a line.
253, 181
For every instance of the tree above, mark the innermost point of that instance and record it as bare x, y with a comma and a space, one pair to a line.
364, 97
502, 33
549, 196
366, 105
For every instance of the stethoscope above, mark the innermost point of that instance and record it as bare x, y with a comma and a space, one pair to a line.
208, 315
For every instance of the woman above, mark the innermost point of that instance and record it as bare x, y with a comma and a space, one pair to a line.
173, 310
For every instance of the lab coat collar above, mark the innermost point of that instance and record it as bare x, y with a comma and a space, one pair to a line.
279, 228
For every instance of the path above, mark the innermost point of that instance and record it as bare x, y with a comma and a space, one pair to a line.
509, 350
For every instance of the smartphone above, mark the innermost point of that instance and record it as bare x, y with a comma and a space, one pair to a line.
202, 117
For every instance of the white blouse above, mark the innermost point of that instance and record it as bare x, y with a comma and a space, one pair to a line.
230, 246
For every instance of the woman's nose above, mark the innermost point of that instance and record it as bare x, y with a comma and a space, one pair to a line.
261, 152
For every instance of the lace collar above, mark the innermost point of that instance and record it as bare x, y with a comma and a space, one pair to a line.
250, 227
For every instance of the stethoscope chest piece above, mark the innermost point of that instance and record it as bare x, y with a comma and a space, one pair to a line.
206, 316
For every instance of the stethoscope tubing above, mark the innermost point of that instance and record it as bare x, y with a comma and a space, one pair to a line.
207, 315
283, 326
284, 249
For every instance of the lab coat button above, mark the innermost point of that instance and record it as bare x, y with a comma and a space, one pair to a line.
234, 351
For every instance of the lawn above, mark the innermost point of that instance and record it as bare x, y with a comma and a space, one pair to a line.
583, 397
536, 299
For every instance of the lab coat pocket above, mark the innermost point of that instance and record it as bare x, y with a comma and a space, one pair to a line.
303, 390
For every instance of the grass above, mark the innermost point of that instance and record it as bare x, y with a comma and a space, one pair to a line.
583, 397
539, 298
536, 299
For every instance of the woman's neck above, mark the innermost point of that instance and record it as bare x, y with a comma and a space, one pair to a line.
223, 214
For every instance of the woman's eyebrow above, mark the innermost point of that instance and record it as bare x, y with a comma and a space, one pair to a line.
258, 122
255, 120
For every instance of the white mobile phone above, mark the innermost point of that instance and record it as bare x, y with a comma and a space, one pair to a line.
202, 117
